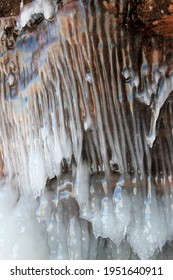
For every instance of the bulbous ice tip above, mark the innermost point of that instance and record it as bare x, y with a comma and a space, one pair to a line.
11, 79
150, 139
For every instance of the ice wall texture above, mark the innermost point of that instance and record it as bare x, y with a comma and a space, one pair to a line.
87, 100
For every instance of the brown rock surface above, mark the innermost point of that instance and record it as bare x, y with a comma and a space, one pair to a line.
150, 10
11, 7
145, 10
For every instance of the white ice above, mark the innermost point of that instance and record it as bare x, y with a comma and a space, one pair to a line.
46, 7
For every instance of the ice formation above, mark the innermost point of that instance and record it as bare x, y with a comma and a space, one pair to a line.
47, 8
85, 137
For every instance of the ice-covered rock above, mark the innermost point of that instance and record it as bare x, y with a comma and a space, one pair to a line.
29, 12
85, 137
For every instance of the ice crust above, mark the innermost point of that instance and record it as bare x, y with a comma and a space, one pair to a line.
21, 236
76, 162
106, 225
116, 215
47, 8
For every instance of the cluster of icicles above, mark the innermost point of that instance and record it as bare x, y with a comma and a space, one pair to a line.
59, 198
96, 225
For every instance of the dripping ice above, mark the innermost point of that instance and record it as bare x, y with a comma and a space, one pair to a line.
63, 196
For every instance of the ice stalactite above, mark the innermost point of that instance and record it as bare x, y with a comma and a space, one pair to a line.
86, 134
